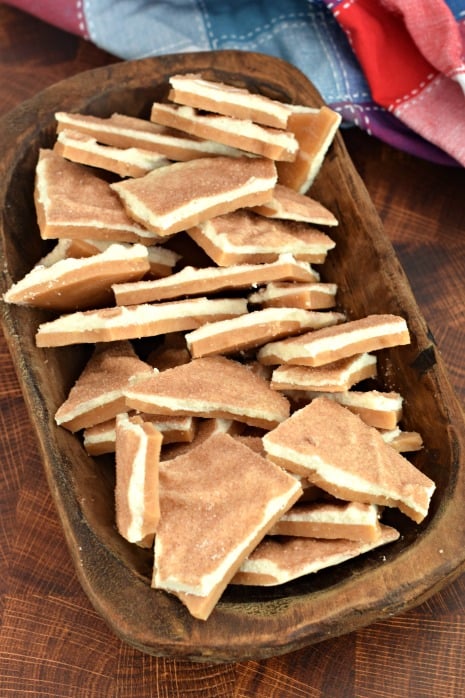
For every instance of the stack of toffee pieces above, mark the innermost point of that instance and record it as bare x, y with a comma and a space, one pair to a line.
244, 452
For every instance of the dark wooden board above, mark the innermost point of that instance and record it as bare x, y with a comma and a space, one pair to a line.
246, 623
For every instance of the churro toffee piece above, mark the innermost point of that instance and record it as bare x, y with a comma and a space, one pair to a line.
275, 144
161, 260
314, 130
137, 504
312, 296
330, 344
334, 519
101, 438
331, 378
289, 204
245, 237
73, 202
344, 456
194, 91
191, 281
98, 393
71, 284
202, 540
213, 386
126, 162
184, 194
122, 131
379, 409
277, 561
255, 328
136, 321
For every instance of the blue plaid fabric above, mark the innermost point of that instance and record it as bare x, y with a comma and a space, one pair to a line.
303, 32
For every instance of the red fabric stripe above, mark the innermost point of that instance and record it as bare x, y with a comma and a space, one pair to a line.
392, 63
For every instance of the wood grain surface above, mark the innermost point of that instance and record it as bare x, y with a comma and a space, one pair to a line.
52, 643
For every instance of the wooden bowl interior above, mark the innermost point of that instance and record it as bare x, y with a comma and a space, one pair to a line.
370, 280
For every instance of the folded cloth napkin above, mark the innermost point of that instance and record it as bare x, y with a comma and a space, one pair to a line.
392, 67
412, 54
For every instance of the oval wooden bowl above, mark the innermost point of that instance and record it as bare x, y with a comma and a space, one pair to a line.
247, 622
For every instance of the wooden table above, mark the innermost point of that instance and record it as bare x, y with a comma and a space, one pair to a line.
52, 643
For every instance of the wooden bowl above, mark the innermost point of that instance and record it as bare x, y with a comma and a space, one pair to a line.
248, 622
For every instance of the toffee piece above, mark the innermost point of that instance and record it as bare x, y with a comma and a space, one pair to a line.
212, 386
183, 194
277, 561
98, 393
344, 456
202, 540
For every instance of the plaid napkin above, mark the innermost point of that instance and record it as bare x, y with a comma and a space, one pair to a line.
412, 54
392, 67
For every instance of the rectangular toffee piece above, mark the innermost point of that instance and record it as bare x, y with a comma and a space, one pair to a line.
194, 91
161, 260
135, 321
101, 438
213, 386
245, 237
315, 131
344, 456
379, 409
138, 446
275, 144
331, 378
277, 561
338, 519
121, 131
72, 284
191, 281
73, 202
333, 343
212, 535
184, 194
255, 328
312, 296
126, 162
